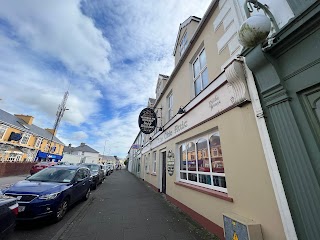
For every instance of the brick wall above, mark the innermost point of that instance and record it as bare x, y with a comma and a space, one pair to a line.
12, 169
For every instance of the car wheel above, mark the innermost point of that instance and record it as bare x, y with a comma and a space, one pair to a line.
62, 209
87, 195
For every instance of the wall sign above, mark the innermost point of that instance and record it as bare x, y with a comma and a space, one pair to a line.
170, 163
147, 120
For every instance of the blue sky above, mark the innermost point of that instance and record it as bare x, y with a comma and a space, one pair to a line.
107, 53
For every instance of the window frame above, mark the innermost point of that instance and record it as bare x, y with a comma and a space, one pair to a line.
17, 157
183, 43
149, 163
212, 174
146, 163
53, 148
170, 106
154, 165
201, 71
38, 142
25, 135
3, 128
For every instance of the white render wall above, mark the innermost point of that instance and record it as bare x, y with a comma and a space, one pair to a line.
86, 154
72, 158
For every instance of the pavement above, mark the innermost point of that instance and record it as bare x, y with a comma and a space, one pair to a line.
7, 181
126, 208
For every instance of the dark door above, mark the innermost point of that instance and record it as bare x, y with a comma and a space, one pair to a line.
164, 172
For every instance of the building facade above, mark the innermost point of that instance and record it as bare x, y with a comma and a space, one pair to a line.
22, 141
287, 73
103, 159
211, 154
81, 154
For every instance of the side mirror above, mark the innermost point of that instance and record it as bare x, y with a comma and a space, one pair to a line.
79, 180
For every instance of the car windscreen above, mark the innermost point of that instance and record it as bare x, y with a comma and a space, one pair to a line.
54, 175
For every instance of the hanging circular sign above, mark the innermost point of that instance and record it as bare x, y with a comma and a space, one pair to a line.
147, 120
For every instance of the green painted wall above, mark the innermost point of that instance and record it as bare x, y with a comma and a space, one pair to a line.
288, 80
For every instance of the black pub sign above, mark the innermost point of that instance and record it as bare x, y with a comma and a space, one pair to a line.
147, 120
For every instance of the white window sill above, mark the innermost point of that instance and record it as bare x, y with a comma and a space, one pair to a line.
214, 193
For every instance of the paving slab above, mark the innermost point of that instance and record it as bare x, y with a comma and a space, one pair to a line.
126, 208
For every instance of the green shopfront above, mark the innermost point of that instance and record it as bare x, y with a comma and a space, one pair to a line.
287, 75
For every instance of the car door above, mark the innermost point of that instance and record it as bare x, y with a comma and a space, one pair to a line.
79, 186
86, 180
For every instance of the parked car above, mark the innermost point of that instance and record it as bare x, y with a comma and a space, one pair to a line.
63, 163
50, 192
97, 174
110, 165
41, 165
8, 213
106, 169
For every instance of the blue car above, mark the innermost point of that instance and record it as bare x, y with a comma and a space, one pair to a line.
51, 191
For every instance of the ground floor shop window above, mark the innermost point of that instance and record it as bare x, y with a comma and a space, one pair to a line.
201, 162
13, 157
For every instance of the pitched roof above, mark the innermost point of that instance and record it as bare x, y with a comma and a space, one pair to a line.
18, 123
68, 149
109, 158
182, 25
84, 148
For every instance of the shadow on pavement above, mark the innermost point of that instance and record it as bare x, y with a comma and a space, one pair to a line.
43, 222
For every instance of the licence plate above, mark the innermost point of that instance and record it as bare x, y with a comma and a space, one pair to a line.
21, 208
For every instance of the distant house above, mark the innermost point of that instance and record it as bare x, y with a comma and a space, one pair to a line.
22, 141
108, 159
80, 154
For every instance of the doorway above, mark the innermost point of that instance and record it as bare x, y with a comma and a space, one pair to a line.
164, 172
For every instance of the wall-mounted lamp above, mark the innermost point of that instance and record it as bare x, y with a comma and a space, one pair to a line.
181, 111
257, 27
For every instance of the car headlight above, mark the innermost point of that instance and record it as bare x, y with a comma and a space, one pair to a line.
49, 196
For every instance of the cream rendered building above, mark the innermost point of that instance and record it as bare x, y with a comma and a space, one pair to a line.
211, 159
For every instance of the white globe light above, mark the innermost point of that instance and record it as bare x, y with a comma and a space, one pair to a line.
254, 30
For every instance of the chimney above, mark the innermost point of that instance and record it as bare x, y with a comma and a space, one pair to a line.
52, 131
26, 118
82, 144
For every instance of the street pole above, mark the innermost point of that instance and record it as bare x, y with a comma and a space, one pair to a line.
105, 142
61, 109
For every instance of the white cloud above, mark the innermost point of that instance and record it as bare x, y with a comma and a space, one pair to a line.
148, 32
59, 29
30, 88
80, 135
49, 46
